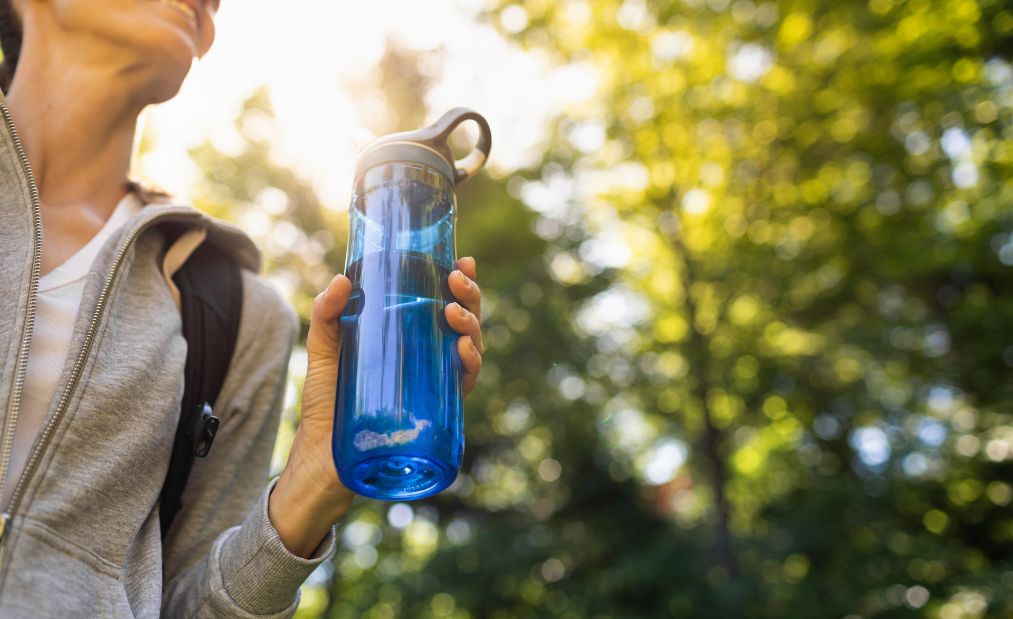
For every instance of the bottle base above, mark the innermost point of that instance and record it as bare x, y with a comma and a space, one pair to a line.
397, 477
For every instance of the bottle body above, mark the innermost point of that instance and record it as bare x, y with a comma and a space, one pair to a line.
398, 414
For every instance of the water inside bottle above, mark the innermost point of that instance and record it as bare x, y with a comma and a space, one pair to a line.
407, 216
399, 393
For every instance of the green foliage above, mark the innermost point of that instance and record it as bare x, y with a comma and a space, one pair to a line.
777, 243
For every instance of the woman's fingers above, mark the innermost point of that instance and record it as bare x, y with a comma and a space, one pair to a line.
465, 317
466, 291
471, 359
468, 267
465, 323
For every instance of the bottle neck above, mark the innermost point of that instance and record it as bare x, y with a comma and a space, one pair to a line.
405, 208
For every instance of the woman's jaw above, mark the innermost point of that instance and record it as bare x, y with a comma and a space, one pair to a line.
150, 44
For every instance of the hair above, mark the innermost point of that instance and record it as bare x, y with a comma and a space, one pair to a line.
10, 42
148, 194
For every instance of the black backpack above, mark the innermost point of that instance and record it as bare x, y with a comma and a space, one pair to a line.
211, 299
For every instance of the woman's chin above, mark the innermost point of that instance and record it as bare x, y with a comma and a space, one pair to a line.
165, 86
167, 38
166, 57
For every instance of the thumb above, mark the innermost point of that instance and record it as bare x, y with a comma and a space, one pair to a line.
323, 347
324, 339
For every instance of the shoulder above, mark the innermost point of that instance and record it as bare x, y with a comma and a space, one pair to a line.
269, 325
267, 315
162, 211
264, 305
268, 331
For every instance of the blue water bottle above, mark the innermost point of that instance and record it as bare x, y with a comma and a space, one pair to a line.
398, 432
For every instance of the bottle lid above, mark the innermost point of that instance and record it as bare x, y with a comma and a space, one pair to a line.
428, 146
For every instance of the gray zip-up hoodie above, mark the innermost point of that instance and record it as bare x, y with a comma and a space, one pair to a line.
82, 534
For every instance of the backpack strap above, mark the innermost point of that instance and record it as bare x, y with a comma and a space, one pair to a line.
211, 297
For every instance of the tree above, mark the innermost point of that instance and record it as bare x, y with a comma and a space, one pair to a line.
818, 194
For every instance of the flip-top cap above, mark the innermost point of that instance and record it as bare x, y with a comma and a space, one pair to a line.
428, 146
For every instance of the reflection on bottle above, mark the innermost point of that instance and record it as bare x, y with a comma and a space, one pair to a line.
367, 439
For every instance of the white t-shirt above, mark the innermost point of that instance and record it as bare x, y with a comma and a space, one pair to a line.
60, 293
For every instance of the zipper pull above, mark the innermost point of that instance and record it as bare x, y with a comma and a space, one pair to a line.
5, 520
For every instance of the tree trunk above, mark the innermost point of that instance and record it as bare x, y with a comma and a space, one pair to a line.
713, 437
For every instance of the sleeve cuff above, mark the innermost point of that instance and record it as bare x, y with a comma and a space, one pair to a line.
260, 575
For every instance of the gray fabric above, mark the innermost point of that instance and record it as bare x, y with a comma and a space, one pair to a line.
84, 540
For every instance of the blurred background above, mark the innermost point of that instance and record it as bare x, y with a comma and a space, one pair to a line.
748, 293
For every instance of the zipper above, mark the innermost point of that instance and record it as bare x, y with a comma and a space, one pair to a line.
75, 374
82, 357
26, 332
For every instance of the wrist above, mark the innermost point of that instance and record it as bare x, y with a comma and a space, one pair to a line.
308, 498
310, 464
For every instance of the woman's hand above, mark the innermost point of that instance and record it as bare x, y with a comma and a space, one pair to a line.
309, 498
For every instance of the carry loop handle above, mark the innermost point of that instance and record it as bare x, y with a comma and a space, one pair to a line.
434, 138
473, 162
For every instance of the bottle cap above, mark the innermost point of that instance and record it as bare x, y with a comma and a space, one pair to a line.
428, 146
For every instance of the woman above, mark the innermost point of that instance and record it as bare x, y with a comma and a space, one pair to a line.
92, 358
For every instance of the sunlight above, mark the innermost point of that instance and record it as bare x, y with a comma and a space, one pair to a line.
312, 54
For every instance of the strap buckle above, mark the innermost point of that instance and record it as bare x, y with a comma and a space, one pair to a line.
202, 432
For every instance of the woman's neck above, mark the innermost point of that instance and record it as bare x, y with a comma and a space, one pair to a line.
76, 119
